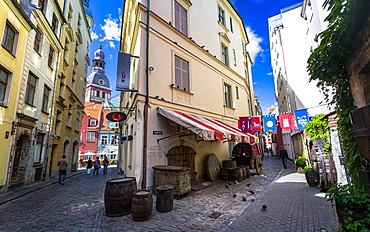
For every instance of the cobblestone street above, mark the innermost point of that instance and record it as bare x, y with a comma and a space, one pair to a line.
79, 206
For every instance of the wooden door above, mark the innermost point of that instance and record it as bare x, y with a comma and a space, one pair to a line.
17, 155
182, 156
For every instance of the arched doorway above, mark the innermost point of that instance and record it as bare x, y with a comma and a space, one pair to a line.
182, 156
74, 156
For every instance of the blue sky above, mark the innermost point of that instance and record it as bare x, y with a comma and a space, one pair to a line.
107, 18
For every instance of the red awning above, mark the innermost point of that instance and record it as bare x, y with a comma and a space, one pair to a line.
207, 128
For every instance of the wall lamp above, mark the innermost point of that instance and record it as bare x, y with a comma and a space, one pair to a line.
151, 69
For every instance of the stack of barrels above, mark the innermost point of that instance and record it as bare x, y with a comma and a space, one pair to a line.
121, 197
230, 171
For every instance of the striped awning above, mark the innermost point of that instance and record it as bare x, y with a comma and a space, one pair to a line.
207, 128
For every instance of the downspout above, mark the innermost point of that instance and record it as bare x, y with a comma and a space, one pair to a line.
146, 105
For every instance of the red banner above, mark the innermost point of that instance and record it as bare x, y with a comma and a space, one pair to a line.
244, 124
256, 124
287, 122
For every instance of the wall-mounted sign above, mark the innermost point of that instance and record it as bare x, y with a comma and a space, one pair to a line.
157, 132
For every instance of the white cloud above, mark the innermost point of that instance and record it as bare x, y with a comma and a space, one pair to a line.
111, 44
111, 29
254, 47
94, 36
270, 74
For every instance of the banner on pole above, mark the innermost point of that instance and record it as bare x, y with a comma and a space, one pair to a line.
123, 72
244, 124
256, 124
269, 123
287, 122
302, 118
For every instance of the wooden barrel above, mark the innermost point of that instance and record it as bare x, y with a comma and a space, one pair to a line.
118, 195
312, 178
237, 174
225, 173
141, 206
229, 163
248, 172
165, 197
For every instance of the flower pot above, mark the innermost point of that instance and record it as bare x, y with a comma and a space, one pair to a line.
312, 178
343, 209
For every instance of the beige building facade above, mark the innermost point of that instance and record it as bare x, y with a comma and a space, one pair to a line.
197, 65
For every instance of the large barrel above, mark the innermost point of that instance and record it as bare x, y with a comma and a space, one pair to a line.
237, 174
225, 173
118, 195
248, 172
142, 203
229, 163
165, 197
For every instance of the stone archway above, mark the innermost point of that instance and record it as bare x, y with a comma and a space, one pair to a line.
74, 156
182, 156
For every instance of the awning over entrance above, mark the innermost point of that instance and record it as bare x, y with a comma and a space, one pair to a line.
207, 128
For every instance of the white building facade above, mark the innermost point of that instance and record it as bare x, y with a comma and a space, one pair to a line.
197, 65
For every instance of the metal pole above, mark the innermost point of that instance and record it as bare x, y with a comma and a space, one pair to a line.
146, 105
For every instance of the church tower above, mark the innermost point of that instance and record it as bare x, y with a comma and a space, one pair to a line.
98, 87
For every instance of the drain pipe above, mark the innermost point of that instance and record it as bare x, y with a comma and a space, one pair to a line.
146, 105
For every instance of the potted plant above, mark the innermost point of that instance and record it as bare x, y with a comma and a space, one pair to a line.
300, 162
352, 205
312, 176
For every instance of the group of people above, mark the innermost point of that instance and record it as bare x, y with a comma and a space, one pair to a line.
97, 165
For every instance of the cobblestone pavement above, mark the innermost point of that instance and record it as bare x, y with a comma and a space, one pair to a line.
79, 206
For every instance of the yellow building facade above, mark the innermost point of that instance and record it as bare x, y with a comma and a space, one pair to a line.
14, 28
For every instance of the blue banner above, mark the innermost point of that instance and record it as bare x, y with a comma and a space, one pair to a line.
302, 118
269, 123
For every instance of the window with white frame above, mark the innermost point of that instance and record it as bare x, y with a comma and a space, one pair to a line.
45, 99
38, 148
221, 16
90, 137
181, 19
227, 92
182, 74
104, 140
30, 89
224, 55
93, 122
114, 140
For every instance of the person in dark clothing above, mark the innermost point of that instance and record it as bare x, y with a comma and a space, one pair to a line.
63, 164
284, 156
89, 163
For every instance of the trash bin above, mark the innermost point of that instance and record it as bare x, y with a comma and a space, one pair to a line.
165, 195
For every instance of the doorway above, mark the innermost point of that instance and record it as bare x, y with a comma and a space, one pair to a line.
182, 156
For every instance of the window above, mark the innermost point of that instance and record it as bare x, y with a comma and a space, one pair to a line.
181, 19
31, 89
221, 16
38, 148
41, 4
224, 57
5, 80
10, 38
114, 140
234, 57
54, 24
77, 125
90, 137
58, 123
45, 99
231, 25
50, 58
104, 140
112, 124
69, 117
227, 92
181, 74
237, 92
93, 122
37, 44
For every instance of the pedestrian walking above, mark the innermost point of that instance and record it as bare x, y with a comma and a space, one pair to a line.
89, 166
284, 156
96, 166
82, 163
105, 164
63, 164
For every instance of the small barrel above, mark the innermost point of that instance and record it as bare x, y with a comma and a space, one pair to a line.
237, 174
142, 203
229, 163
165, 198
118, 195
225, 173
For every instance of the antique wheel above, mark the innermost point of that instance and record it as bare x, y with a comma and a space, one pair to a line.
258, 165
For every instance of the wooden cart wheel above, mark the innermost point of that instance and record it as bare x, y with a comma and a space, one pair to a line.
258, 165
